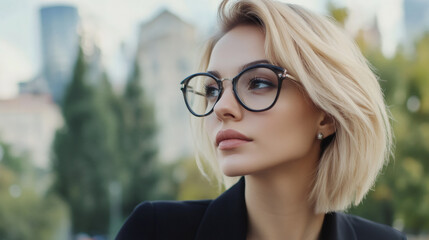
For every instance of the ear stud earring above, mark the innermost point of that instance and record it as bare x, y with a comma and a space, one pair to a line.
320, 136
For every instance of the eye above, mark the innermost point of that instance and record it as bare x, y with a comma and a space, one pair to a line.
211, 92
260, 83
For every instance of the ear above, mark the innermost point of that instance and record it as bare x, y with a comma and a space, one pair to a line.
326, 125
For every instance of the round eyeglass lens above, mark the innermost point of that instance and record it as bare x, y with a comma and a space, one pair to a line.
257, 88
201, 93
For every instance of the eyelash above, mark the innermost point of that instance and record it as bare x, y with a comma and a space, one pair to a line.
260, 81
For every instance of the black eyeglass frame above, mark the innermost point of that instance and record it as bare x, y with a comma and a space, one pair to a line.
281, 74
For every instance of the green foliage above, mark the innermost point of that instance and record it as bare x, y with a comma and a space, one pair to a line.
411, 181
25, 213
402, 192
30, 216
16, 164
339, 14
192, 184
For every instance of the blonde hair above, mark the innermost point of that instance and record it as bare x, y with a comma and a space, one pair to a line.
336, 77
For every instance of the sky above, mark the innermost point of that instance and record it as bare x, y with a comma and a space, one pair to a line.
117, 21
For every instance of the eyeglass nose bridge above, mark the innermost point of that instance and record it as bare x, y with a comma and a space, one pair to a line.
233, 91
224, 79
223, 88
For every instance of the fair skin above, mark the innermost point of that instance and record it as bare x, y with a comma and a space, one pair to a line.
279, 156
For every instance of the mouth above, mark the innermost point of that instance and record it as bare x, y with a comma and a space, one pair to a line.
229, 139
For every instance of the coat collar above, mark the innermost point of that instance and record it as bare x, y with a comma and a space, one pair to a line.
226, 218
336, 226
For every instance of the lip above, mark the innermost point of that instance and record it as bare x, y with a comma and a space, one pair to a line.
229, 139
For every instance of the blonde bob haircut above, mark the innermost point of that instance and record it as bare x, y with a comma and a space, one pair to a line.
339, 81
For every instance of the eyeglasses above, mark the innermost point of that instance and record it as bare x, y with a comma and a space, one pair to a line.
256, 88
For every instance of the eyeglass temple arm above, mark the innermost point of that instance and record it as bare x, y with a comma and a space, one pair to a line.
287, 75
190, 89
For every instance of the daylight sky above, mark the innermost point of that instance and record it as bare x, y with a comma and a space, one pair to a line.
117, 21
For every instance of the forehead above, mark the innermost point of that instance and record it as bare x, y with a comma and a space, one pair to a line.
239, 46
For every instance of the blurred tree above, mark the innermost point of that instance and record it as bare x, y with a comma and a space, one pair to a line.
17, 164
402, 191
142, 175
412, 132
105, 156
84, 152
192, 183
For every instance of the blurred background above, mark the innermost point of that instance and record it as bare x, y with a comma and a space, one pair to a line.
92, 120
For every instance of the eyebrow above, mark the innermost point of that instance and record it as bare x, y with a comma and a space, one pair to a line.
262, 61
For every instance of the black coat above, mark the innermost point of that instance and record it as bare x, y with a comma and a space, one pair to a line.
226, 218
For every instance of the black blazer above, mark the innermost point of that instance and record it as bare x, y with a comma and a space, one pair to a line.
226, 218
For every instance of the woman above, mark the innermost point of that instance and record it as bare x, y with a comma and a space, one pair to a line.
286, 101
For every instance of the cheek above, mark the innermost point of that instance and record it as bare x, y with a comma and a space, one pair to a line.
210, 125
290, 132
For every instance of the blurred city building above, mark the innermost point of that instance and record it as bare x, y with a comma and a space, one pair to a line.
60, 41
166, 54
37, 85
371, 35
28, 123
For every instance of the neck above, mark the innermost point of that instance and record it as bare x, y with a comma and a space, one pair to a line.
278, 206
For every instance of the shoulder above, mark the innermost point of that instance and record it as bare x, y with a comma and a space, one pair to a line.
164, 220
366, 229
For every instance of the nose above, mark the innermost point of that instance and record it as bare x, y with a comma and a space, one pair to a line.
227, 107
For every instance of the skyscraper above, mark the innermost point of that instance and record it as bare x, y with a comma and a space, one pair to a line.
60, 41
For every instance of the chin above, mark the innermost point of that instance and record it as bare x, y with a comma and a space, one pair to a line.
231, 168
232, 173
